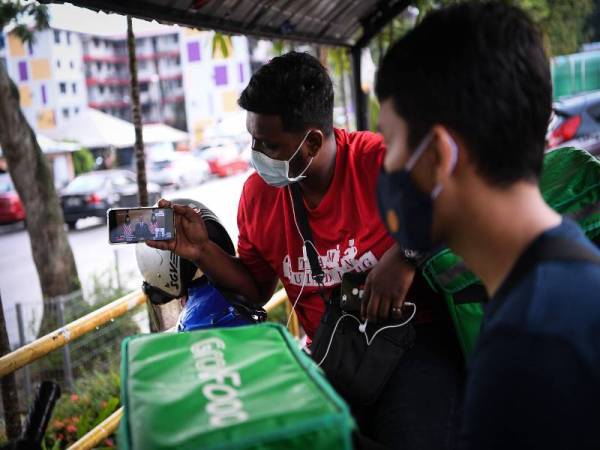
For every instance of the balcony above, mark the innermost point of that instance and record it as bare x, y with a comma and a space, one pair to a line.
118, 104
109, 81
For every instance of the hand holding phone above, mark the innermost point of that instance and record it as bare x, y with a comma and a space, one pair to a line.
190, 232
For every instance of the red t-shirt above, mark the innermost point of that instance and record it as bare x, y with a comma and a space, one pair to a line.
347, 230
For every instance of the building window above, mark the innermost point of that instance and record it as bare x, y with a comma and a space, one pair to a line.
2, 42
76, 111
74, 87
44, 97
193, 51
68, 38
63, 88
58, 63
23, 71
72, 65
30, 47
101, 88
96, 42
56, 37
143, 87
220, 75
65, 113
98, 65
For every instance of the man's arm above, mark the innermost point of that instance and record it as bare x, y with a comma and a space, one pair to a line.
232, 274
192, 243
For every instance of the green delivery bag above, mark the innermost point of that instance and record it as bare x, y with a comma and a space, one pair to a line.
570, 183
227, 388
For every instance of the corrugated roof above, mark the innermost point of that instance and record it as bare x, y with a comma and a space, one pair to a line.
331, 22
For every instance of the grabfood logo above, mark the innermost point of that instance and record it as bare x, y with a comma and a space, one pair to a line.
224, 408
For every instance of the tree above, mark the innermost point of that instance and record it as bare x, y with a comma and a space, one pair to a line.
83, 161
32, 175
340, 62
565, 24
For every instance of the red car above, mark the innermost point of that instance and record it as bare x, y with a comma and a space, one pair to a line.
223, 158
11, 208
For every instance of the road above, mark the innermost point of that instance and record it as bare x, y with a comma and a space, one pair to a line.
95, 258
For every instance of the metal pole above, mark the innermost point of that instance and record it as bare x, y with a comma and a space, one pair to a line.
67, 368
22, 342
10, 396
117, 269
360, 99
58, 338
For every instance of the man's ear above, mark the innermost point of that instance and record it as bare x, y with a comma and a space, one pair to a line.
446, 152
314, 142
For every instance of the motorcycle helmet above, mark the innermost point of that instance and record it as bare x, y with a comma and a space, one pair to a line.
166, 275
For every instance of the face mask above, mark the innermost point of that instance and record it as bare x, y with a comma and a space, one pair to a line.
406, 210
274, 171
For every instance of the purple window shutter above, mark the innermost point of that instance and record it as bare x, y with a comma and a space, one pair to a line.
44, 98
220, 75
241, 73
193, 50
23, 71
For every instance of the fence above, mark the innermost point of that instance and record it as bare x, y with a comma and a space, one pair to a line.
65, 336
576, 73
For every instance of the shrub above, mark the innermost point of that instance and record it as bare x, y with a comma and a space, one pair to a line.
96, 397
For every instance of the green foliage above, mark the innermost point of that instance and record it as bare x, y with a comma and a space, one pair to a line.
18, 11
223, 43
83, 161
278, 47
373, 113
565, 24
95, 398
339, 60
97, 349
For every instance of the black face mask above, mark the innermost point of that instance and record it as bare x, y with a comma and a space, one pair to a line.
406, 210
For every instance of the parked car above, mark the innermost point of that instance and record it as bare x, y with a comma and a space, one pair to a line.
224, 158
11, 208
576, 122
178, 170
93, 193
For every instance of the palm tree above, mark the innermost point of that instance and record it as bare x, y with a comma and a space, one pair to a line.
32, 175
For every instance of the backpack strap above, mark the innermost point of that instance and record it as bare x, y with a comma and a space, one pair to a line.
307, 236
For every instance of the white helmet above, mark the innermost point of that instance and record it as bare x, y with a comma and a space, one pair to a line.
166, 275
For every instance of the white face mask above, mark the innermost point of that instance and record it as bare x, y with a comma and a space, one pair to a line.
274, 171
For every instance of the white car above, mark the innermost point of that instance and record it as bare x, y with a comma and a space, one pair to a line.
178, 170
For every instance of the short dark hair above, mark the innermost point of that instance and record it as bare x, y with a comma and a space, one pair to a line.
480, 69
294, 86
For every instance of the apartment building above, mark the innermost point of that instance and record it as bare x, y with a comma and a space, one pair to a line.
49, 75
182, 83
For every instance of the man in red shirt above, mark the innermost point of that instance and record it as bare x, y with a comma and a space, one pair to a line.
290, 118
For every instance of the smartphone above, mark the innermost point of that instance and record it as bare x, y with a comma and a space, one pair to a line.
132, 225
352, 289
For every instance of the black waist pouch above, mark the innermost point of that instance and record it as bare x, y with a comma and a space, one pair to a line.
358, 371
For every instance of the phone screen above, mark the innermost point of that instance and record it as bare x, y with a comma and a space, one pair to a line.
128, 226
